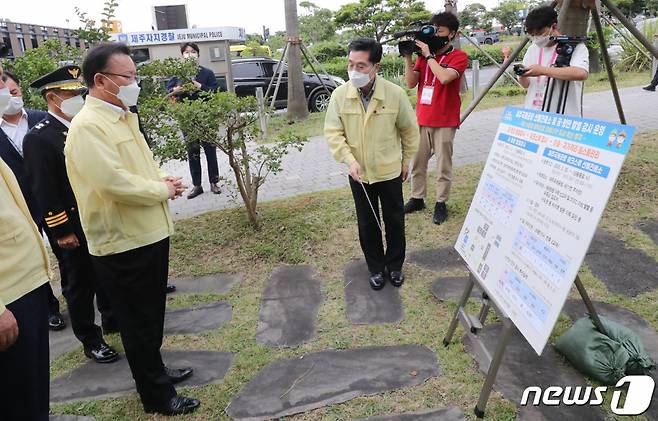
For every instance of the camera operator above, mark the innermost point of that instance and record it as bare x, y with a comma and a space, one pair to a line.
437, 73
539, 64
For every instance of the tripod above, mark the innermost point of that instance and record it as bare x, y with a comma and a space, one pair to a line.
562, 97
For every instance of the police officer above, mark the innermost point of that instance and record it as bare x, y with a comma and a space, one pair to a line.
44, 159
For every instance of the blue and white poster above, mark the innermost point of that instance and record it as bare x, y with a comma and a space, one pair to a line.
544, 187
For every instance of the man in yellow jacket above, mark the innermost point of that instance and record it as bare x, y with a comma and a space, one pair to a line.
371, 127
24, 391
123, 206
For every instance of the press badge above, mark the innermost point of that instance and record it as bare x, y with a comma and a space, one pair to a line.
426, 95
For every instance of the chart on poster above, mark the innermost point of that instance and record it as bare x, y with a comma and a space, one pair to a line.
544, 187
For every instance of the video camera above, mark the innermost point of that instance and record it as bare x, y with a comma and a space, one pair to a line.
564, 50
423, 32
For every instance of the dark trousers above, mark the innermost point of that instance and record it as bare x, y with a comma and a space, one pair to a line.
388, 195
25, 389
135, 282
194, 159
654, 82
79, 285
53, 303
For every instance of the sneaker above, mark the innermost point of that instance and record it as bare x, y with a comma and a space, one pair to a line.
650, 88
414, 205
440, 213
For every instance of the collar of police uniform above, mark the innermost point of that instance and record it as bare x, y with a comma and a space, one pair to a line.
113, 112
380, 94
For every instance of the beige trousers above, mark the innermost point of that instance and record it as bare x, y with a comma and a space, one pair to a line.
433, 141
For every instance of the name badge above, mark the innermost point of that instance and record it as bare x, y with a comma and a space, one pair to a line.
426, 95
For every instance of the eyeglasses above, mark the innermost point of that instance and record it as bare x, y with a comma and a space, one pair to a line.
131, 78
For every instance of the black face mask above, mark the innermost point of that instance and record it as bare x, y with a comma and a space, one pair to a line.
436, 43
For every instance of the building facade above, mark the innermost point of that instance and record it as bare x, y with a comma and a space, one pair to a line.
20, 37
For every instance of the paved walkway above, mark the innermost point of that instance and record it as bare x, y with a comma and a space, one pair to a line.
313, 169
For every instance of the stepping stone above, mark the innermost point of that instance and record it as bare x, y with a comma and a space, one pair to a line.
575, 309
443, 414
650, 228
197, 319
183, 321
437, 259
366, 306
521, 367
70, 418
289, 307
623, 270
452, 288
216, 283
92, 381
288, 387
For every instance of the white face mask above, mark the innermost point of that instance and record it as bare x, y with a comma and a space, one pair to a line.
5, 97
541, 41
358, 79
72, 106
15, 105
128, 94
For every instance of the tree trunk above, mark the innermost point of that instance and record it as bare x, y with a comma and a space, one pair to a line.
297, 107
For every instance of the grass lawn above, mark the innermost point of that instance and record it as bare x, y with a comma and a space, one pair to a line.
320, 230
498, 97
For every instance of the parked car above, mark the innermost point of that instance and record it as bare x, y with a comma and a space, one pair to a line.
251, 73
485, 37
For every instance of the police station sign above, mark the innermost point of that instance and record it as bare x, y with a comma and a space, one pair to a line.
176, 36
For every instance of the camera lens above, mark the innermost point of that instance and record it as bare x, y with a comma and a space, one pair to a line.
427, 30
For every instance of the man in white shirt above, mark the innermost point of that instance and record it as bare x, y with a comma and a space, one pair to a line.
539, 64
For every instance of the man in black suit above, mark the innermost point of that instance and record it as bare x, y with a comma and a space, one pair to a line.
46, 168
16, 122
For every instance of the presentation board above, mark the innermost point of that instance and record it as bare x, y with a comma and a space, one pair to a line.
544, 187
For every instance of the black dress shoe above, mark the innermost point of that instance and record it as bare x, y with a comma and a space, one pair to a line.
178, 405
397, 278
377, 281
414, 205
102, 353
56, 322
170, 288
440, 213
650, 88
196, 191
177, 375
215, 188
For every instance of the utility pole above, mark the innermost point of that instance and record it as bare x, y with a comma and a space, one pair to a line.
297, 107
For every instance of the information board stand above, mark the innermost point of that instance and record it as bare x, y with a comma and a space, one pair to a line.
536, 208
475, 324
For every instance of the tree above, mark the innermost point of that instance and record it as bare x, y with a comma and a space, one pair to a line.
379, 18
474, 15
223, 119
90, 32
630, 8
316, 24
507, 13
40, 61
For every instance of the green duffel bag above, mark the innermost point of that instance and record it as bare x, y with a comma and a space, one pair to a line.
593, 353
639, 362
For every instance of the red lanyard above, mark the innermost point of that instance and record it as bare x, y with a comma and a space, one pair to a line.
428, 71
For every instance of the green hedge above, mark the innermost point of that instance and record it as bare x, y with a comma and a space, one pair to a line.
494, 50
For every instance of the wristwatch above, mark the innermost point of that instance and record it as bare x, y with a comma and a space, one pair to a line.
431, 56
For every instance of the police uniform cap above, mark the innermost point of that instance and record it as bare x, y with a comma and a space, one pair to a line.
65, 78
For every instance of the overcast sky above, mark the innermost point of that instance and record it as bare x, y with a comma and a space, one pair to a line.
135, 15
